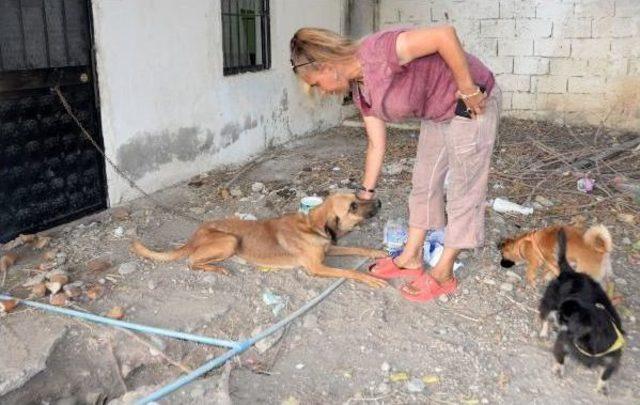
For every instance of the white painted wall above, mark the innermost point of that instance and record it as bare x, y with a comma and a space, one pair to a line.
168, 112
575, 61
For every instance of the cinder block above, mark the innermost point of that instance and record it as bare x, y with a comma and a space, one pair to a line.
613, 66
549, 84
587, 85
523, 101
517, 9
509, 82
556, 11
533, 28
594, 8
552, 47
615, 27
497, 28
547, 101
573, 28
591, 48
506, 100
444, 10
515, 46
626, 8
481, 46
498, 64
568, 67
629, 47
530, 65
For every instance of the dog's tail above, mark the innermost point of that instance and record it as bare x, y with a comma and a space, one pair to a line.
562, 252
168, 256
598, 238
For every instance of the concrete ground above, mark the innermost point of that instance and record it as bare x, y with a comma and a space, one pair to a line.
361, 345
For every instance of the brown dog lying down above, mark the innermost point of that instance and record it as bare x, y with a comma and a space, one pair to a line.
589, 250
285, 242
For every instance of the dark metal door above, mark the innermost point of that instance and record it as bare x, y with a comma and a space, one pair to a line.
49, 173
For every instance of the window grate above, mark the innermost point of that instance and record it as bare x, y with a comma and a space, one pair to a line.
245, 36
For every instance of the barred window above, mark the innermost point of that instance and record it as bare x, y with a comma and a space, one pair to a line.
245, 36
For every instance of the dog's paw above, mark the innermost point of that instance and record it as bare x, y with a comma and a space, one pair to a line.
544, 331
602, 387
374, 282
558, 370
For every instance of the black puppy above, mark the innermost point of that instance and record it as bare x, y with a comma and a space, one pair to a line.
590, 328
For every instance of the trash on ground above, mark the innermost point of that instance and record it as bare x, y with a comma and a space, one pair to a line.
246, 217
401, 376
503, 205
273, 300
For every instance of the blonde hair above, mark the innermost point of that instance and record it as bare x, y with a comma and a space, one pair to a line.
310, 45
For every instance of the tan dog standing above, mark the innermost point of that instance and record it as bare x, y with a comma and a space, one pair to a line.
288, 241
589, 250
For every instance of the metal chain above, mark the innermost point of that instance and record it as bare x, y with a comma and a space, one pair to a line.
114, 166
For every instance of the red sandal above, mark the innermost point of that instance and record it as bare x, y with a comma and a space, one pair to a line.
425, 288
387, 269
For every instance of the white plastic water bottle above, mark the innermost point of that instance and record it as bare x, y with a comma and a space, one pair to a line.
395, 235
504, 205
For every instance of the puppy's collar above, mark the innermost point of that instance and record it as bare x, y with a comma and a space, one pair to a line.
617, 345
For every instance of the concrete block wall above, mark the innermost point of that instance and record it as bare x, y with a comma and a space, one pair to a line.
575, 61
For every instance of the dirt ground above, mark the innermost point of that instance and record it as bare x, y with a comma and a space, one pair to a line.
361, 345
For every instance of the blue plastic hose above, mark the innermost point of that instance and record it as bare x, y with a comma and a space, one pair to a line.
220, 360
126, 325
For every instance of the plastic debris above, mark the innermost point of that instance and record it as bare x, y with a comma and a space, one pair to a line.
433, 248
395, 235
246, 217
401, 376
273, 300
585, 184
503, 205
431, 379
415, 385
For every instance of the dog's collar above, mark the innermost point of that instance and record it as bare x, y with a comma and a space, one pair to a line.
617, 345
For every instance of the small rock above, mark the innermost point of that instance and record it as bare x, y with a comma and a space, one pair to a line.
415, 385
151, 285
626, 241
257, 187
38, 290
506, 287
59, 299
489, 281
246, 217
7, 306
235, 192
197, 392
385, 367
118, 232
299, 366
127, 268
35, 280
197, 210
94, 292
98, 265
465, 291
443, 298
120, 213
336, 169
